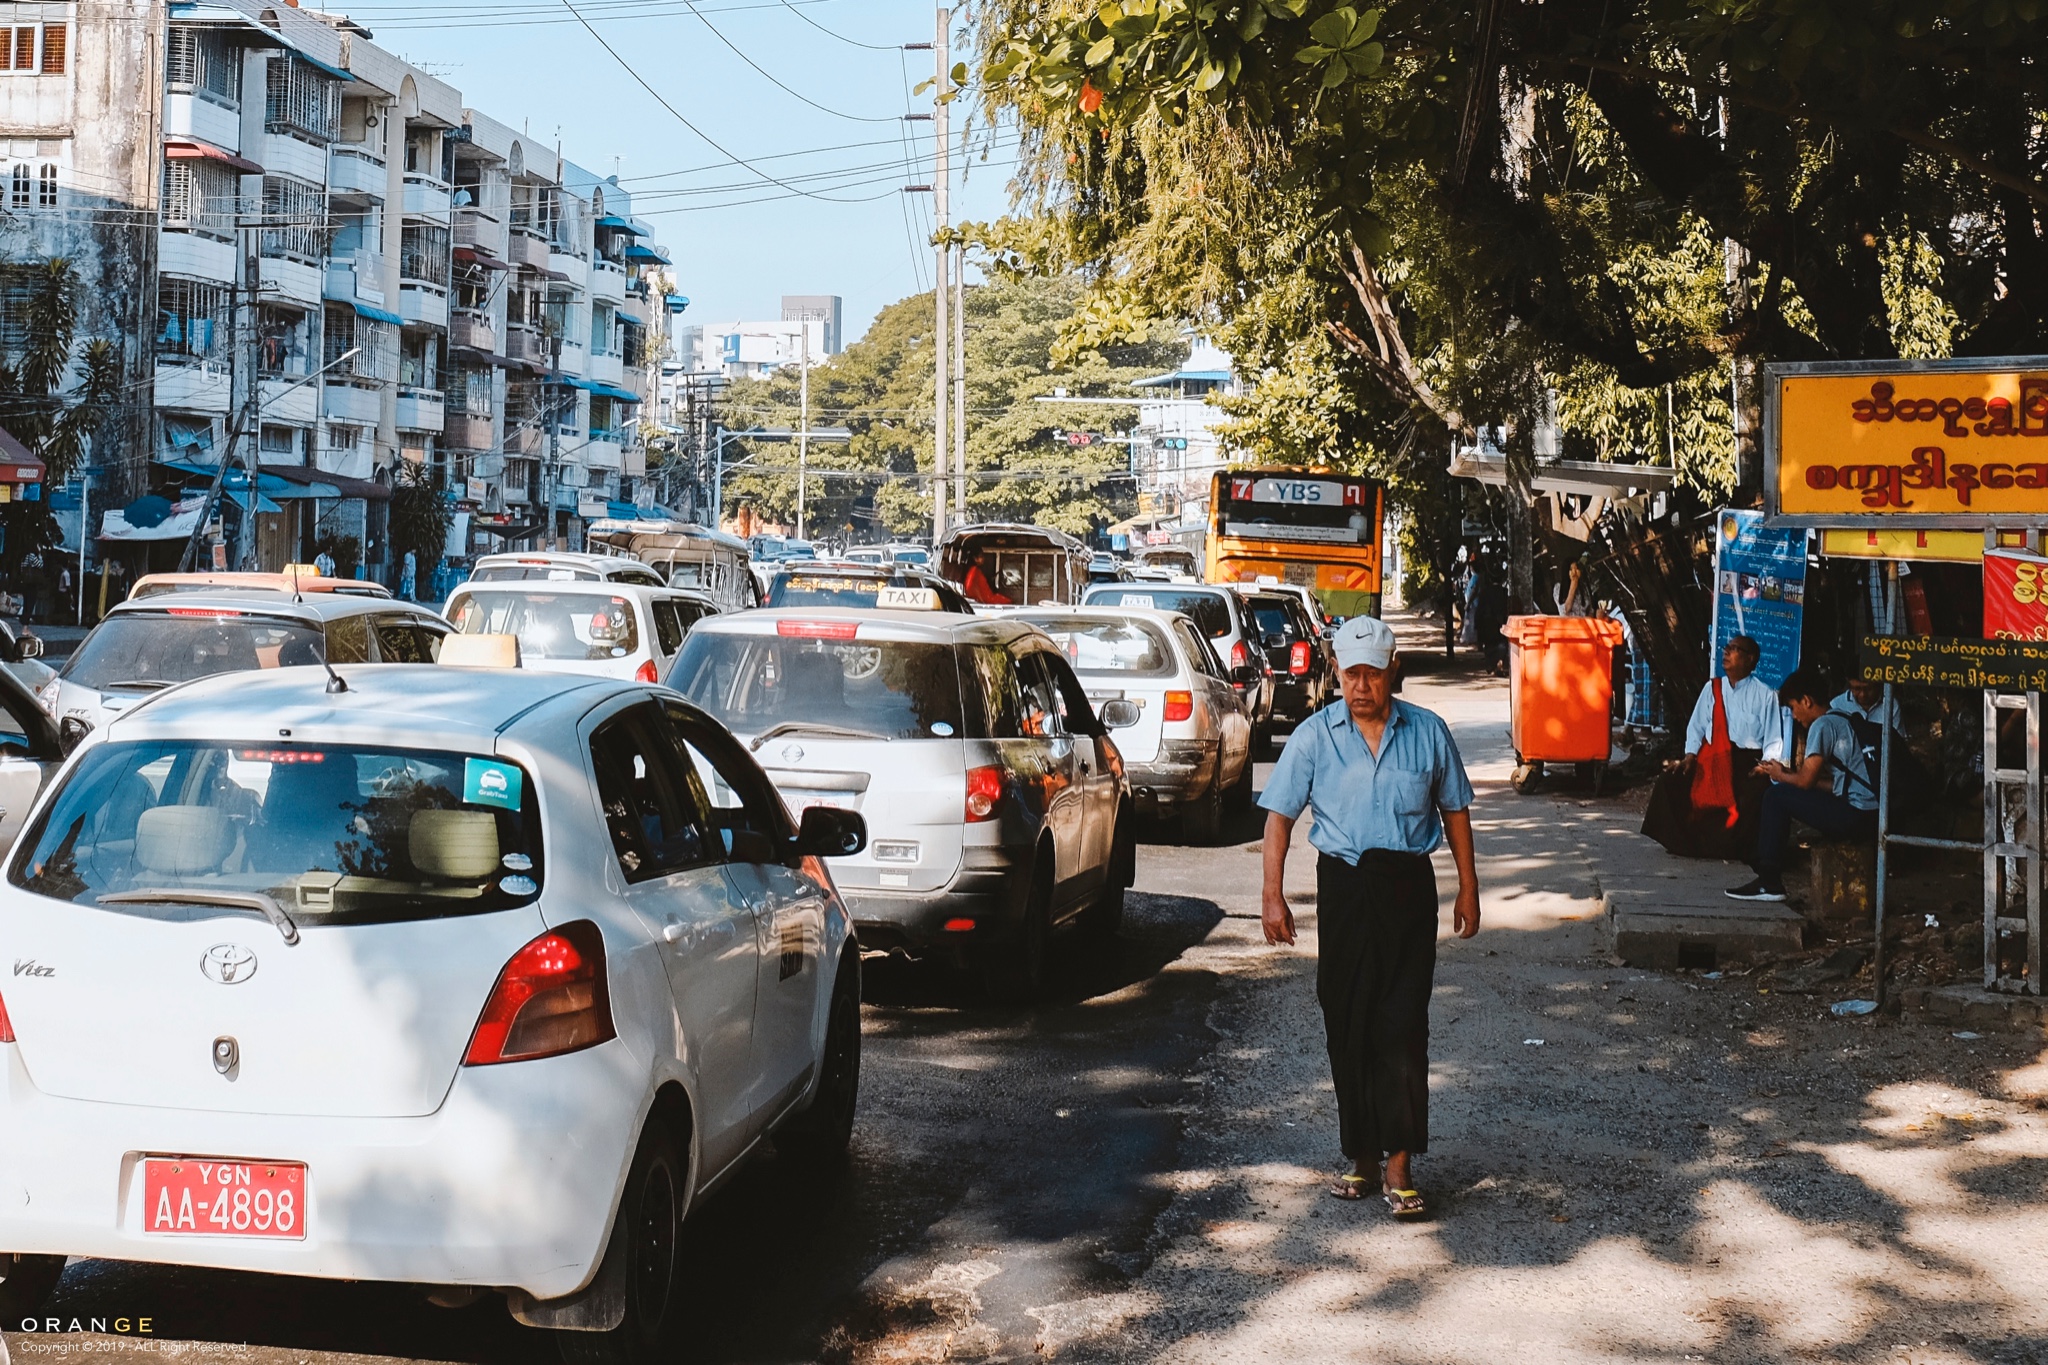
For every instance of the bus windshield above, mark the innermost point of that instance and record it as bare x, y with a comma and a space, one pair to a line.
1320, 510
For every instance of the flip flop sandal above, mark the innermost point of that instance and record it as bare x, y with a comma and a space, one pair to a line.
1347, 1188
1403, 1203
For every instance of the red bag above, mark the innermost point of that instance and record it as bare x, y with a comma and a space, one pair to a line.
1713, 781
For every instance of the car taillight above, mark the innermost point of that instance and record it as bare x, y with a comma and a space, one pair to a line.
550, 999
984, 793
1298, 657
818, 630
1239, 656
646, 673
1179, 706
6, 1024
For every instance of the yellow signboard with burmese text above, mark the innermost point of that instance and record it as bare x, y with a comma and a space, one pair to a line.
1902, 444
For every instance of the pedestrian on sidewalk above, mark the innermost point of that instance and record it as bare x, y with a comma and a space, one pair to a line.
1388, 787
1735, 725
1833, 789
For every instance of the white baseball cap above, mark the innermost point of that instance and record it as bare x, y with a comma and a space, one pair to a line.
1364, 640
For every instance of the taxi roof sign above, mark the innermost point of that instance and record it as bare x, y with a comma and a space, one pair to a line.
907, 599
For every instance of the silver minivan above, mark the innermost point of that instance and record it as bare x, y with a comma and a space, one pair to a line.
995, 799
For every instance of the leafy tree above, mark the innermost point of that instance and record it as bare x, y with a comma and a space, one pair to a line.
420, 516
54, 395
880, 388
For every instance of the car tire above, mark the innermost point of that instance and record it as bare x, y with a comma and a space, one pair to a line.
1239, 797
1202, 821
820, 1135
26, 1283
1263, 748
651, 1215
1014, 974
1106, 916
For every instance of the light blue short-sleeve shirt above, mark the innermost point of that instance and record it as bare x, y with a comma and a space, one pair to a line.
1362, 802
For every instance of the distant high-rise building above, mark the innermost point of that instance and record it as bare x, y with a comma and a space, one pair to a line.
823, 308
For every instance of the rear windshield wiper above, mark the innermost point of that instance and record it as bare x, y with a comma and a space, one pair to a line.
146, 684
267, 906
810, 728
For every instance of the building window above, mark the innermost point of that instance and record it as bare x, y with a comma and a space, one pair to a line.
281, 340
370, 340
282, 442
18, 198
344, 440
18, 48
54, 43
199, 62
199, 196
192, 320
419, 355
294, 217
301, 100
46, 186
423, 254
472, 392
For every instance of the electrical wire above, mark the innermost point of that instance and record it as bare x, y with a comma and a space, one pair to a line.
850, 42
713, 143
770, 78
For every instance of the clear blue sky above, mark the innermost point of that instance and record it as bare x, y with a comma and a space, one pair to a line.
739, 241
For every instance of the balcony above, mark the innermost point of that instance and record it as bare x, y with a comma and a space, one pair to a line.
293, 406
352, 402
467, 431
426, 197
607, 280
606, 369
569, 266
469, 328
422, 303
196, 257
192, 388
420, 410
525, 343
525, 440
355, 462
297, 280
353, 173
477, 228
525, 248
282, 154
636, 461
358, 275
204, 116
606, 450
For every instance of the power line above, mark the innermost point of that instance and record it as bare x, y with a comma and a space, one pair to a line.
788, 90
850, 42
713, 143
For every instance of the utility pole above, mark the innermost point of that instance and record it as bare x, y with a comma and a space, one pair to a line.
943, 254
803, 430
960, 383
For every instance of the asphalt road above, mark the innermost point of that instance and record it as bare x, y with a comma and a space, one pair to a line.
1004, 1158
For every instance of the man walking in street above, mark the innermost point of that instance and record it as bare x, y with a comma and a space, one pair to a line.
1387, 786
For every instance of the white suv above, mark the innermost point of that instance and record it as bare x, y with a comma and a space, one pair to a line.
609, 630
995, 796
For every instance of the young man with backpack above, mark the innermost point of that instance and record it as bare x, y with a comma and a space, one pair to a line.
1834, 788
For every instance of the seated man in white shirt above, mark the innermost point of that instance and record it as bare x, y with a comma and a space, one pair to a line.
1755, 733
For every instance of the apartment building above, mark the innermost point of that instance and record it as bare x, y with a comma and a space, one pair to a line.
321, 265
1177, 448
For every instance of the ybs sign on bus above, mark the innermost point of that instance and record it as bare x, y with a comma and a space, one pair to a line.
1314, 528
1949, 443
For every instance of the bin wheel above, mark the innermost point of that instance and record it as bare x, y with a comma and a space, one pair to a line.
1526, 776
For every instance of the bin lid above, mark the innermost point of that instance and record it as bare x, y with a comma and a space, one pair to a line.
1533, 632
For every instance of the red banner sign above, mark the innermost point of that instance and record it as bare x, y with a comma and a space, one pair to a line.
2015, 596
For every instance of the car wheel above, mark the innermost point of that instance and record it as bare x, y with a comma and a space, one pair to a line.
820, 1135
1015, 972
1106, 916
651, 1218
26, 1283
1263, 748
1202, 821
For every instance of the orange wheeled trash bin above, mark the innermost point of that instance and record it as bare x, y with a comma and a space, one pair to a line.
1560, 693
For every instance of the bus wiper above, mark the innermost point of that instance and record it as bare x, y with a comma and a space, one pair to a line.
810, 728
267, 906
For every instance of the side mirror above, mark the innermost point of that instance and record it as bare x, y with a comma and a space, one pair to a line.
827, 832
1245, 675
1119, 713
31, 646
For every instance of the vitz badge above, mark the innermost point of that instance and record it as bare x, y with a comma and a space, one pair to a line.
228, 963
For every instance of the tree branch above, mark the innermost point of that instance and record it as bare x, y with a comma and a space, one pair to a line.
1388, 359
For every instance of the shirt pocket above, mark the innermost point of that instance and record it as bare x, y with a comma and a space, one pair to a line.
1407, 794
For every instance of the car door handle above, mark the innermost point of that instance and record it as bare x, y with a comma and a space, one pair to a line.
1084, 768
673, 931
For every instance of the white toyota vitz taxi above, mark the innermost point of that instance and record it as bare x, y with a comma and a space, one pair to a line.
451, 977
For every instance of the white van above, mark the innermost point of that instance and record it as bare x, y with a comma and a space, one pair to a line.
609, 630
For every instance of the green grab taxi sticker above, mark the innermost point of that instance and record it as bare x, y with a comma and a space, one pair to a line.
485, 783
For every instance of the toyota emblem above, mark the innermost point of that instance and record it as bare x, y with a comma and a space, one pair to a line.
792, 753
228, 963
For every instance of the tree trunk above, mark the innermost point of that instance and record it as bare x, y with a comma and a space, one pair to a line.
1521, 453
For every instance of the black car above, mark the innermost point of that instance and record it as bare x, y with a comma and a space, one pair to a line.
840, 584
1304, 677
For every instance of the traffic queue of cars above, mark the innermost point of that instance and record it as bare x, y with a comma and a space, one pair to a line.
359, 932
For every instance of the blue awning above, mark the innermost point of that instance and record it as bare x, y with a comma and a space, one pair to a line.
1183, 376
612, 220
622, 511
638, 252
194, 13
638, 228
611, 391
311, 60
268, 486
364, 309
263, 504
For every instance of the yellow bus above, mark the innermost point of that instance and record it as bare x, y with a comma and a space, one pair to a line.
1315, 528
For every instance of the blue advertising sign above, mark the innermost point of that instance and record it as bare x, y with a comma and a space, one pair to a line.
1759, 590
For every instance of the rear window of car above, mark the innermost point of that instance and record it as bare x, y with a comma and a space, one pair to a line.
828, 589
1206, 609
178, 644
553, 625
1275, 617
883, 689
334, 833
532, 573
1131, 649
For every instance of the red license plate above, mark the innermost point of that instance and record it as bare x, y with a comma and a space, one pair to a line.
186, 1196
